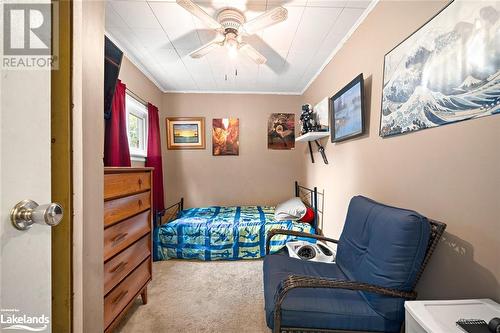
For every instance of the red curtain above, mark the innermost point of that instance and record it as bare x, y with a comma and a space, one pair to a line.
154, 157
116, 151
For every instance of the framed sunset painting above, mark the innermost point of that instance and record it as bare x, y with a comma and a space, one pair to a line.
186, 133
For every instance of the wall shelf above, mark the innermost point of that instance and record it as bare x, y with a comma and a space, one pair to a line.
312, 136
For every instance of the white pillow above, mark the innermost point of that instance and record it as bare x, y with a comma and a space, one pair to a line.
293, 209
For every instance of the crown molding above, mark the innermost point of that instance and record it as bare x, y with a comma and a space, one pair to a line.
235, 92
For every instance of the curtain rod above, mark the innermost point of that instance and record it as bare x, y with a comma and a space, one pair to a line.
137, 97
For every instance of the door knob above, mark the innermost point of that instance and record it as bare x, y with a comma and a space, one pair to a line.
27, 212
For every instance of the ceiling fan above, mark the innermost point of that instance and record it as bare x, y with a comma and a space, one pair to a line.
230, 26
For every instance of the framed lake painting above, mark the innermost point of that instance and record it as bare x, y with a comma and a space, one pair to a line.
445, 72
348, 120
186, 133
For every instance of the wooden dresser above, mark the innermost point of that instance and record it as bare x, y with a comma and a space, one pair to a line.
127, 240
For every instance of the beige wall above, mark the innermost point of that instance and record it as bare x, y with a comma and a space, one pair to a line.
139, 84
88, 139
448, 173
257, 176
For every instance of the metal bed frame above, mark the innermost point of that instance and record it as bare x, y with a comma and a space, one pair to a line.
307, 195
170, 213
310, 198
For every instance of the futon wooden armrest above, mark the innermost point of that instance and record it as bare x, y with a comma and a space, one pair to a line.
299, 281
273, 232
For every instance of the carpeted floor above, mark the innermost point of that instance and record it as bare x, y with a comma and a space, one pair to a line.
195, 296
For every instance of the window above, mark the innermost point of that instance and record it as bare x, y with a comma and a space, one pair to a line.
137, 128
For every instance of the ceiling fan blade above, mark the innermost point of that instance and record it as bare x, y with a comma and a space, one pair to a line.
205, 49
252, 53
276, 15
199, 13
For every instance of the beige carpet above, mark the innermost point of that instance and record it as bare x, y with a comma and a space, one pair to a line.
194, 296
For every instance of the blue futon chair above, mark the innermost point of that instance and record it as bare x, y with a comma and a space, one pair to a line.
381, 254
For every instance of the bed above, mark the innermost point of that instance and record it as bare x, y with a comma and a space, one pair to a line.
225, 233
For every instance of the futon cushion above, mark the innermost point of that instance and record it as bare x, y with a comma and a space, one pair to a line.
320, 308
293, 209
384, 246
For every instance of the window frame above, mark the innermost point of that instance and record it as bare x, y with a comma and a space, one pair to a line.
138, 109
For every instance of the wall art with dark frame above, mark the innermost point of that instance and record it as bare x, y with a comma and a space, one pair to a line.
348, 111
446, 71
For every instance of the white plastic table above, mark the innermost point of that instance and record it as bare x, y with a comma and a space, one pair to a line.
441, 316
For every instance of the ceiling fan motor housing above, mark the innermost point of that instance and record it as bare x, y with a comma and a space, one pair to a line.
231, 20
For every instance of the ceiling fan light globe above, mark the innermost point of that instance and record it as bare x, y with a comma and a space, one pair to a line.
232, 52
231, 43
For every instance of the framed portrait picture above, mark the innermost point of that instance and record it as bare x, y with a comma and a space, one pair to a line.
348, 112
281, 131
186, 133
446, 71
225, 136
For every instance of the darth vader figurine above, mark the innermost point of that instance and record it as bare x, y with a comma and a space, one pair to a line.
307, 119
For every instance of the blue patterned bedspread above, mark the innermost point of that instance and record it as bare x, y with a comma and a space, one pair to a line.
215, 233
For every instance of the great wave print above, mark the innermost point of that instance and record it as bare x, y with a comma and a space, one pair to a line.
447, 71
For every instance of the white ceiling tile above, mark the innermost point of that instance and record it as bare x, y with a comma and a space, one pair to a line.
200, 70
286, 3
347, 19
152, 39
166, 55
314, 27
159, 35
126, 39
135, 14
357, 3
327, 3
182, 40
280, 36
170, 15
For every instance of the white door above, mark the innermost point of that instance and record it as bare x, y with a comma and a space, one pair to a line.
25, 267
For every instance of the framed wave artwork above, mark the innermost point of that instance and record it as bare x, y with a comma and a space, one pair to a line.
445, 72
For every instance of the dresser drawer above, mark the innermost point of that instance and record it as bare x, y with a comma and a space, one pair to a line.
119, 267
118, 299
119, 209
121, 235
122, 184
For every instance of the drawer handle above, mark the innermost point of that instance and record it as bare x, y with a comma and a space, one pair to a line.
140, 182
120, 296
119, 237
118, 267
140, 202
